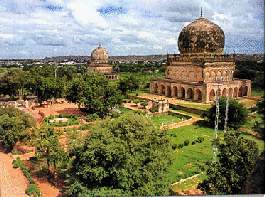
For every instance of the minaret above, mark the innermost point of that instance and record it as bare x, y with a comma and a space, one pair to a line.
201, 12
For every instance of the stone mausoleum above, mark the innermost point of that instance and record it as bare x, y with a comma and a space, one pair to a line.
201, 70
99, 62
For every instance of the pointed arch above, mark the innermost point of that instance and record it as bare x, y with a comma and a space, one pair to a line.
212, 95
230, 92
235, 92
224, 92
190, 93
245, 91
182, 92
198, 95
175, 91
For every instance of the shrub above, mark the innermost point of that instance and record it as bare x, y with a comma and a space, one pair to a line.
92, 117
193, 142
180, 146
174, 146
236, 116
33, 190
200, 139
186, 142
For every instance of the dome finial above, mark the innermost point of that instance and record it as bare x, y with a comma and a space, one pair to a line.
201, 11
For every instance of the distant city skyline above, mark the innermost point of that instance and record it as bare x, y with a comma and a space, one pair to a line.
45, 28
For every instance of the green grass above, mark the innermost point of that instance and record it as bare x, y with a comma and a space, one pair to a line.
189, 159
165, 119
257, 92
159, 119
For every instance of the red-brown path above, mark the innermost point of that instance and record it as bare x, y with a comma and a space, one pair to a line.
12, 181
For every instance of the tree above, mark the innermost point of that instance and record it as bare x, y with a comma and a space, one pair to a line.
47, 88
94, 93
14, 82
129, 83
14, 125
49, 148
236, 159
237, 114
127, 155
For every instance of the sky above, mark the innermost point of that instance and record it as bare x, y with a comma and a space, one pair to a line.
45, 28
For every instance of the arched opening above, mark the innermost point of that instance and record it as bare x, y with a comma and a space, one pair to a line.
198, 95
212, 95
190, 94
155, 88
245, 91
240, 92
230, 92
182, 92
175, 91
168, 93
163, 90
224, 92
235, 92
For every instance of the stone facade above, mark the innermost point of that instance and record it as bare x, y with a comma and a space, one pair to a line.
100, 63
201, 71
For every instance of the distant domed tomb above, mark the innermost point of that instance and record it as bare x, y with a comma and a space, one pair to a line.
99, 62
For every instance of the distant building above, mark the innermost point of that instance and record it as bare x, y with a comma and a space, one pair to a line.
202, 70
100, 63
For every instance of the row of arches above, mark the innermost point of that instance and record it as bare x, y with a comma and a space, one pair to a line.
231, 92
195, 94
178, 92
226, 75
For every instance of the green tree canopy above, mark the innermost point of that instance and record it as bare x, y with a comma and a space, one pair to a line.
261, 106
49, 148
47, 88
129, 83
237, 157
237, 114
13, 126
127, 155
94, 93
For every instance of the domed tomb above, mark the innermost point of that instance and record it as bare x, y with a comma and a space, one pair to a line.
99, 62
99, 55
201, 36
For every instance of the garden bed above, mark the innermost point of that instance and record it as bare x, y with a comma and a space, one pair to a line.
61, 120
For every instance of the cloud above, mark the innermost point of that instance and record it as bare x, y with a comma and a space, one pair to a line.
39, 28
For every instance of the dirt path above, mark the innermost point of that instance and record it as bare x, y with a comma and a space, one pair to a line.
12, 181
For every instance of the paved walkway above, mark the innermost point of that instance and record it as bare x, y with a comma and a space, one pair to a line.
12, 181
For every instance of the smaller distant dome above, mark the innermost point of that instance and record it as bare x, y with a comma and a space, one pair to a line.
99, 55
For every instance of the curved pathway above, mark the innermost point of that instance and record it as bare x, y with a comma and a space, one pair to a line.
12, 181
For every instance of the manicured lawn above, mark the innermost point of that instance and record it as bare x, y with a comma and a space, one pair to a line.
165, 119
158, 119
189, 159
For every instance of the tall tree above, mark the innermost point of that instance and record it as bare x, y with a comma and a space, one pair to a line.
127, 155
236, 159
237, 114
94, 93
129, 83
49, 148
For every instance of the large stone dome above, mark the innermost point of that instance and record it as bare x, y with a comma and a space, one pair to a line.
201, 36
99, 55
